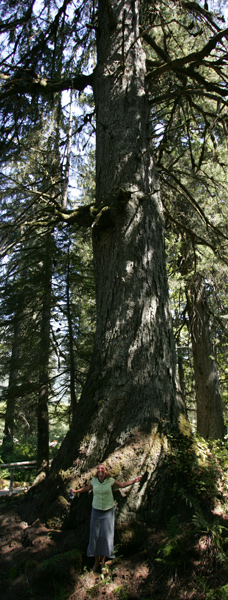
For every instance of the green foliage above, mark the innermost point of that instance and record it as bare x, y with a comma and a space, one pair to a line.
173, 552
216, 534
193, 473
220, 593
106, 575
121, 591
180, 538
197, 486
105, 580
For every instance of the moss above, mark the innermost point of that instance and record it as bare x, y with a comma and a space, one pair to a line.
130, 537
55, 523
58, 570
184, 426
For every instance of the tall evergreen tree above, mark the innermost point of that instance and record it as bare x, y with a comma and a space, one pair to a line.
130, 391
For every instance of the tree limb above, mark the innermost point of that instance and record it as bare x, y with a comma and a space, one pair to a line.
193, 202
8, 24
83, 216
194, 7
177, 64
192, 234
42, 86
180, 92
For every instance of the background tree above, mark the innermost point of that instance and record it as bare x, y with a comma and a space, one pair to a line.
189, 146
210, 422
34, 251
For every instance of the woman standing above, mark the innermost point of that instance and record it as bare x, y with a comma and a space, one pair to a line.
101, 540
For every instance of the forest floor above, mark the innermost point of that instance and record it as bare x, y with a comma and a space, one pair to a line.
38, 563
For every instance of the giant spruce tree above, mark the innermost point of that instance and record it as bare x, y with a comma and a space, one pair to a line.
129, 401
129, 397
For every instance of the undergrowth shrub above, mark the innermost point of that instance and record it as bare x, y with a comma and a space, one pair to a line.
194, 475
173, 553
196, 528
220, 593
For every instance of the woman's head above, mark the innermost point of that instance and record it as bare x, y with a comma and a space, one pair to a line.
102, 472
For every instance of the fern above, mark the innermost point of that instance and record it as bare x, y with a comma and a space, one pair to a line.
200, 523
173, 527
217, 536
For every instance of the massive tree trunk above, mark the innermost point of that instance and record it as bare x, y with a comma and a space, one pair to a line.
210, 422
134, 367
129, 399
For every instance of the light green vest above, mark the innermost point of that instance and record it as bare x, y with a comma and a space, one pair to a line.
102, 493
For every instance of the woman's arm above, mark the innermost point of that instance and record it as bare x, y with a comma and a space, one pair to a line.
118, 485
86, 488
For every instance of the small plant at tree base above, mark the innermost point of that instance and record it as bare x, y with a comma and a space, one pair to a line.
121, 592
216, 535
173, 553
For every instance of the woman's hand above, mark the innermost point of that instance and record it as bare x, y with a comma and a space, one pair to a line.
118, 485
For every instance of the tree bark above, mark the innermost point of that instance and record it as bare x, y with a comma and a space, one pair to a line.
133, 346
73, 395
42, 409
210, 423
8, 443
129, 399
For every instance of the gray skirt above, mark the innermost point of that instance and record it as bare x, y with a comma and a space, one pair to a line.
101, 539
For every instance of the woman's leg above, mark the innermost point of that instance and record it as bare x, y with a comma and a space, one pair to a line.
96, 564
101, 536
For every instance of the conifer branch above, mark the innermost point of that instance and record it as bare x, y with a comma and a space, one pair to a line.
23, 84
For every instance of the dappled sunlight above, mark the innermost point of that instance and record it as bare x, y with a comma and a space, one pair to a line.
141, 453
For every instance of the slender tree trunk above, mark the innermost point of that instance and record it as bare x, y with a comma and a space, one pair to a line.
210, 422
181, 376
68, 154
42, 409
129, 399
8, 444
73, 396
